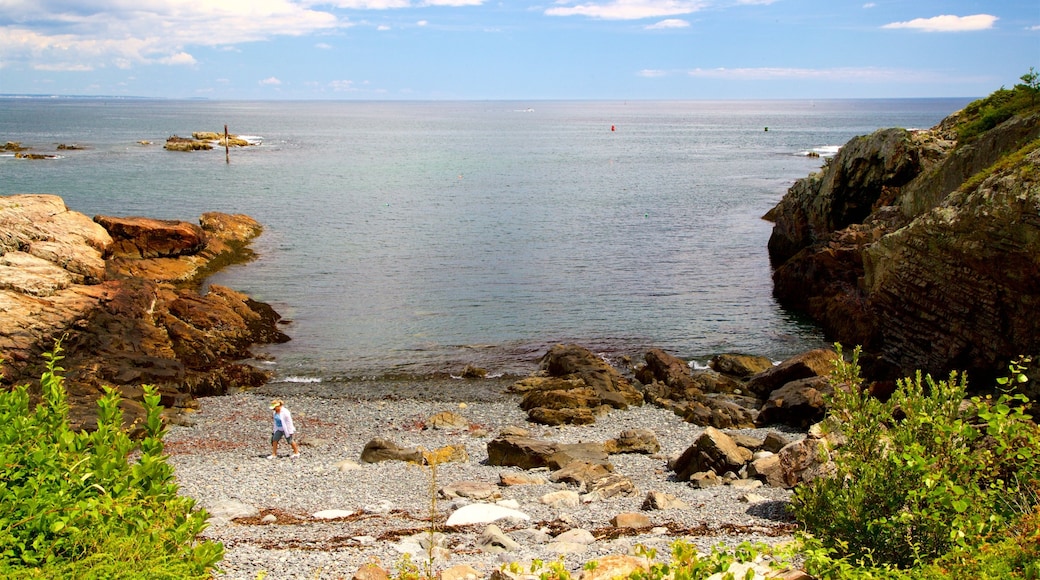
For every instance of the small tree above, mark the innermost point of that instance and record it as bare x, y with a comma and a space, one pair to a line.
1031, 79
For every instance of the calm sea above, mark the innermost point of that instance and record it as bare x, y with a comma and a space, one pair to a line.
413, 238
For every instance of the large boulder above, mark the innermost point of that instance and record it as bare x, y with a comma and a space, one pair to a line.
815, 363
572, 386
530, 453
712, 451
741, 366
798, 403
702, 397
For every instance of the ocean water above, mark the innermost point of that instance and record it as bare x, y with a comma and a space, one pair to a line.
414, 238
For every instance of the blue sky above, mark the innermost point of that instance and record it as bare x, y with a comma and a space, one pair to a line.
487, 49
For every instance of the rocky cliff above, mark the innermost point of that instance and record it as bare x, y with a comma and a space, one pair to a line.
123, 296
921, 248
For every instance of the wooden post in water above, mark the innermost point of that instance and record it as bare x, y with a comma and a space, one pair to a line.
227, 152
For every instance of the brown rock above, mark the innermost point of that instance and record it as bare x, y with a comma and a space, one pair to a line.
580, 473
557, 399
124, 326
138, 237
671, 370
511, 479
552, 417
631, 520
798, 403
378, 450
522, 452
815, 363
459, 572
447, 420
371, 572
712, 451
613, 485
804, 461
719, 412
614, 566
579, 362
656, 500
479, 490
529, 453
741, 366
634, 441
473, 372
774, 442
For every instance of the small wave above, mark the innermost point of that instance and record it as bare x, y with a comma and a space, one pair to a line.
298, 380
253, 139
821, 151
487, 376
697, 366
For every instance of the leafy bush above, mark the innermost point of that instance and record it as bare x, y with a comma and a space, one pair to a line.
72, 504
923, 476
984, 114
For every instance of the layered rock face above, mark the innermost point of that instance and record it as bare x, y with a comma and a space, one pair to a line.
900, 245
122, 295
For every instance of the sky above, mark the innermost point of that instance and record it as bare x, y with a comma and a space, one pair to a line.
488, 49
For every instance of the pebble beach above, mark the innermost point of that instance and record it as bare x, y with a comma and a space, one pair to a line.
264, 510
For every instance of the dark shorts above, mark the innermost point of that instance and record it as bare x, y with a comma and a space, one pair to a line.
279, 435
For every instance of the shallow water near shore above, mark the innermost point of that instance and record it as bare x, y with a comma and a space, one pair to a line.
409, 239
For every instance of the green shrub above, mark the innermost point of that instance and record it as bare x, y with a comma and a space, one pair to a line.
984, 114
923, 476
73, 505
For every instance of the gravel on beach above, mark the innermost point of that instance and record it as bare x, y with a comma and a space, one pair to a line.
220, 457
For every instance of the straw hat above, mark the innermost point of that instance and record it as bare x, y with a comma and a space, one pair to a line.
275, 404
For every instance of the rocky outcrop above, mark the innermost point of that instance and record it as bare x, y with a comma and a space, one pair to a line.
789, 393
572, 386
203, 141
920, 249
122, 295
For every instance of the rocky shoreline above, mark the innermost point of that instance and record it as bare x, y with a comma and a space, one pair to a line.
567, 464
274, 515
123, 296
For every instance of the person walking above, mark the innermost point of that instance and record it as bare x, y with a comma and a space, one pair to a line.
283, 429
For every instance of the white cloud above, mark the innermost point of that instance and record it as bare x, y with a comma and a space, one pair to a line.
63, 67
1034, 27
453, 3
323, 46
179, 58
271, 81
422, 23
395, 4
382, 28
869, 5
342, 86
370, 4
629, 9
651, 73
844, 74
668, 23
947, 23
80, 35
